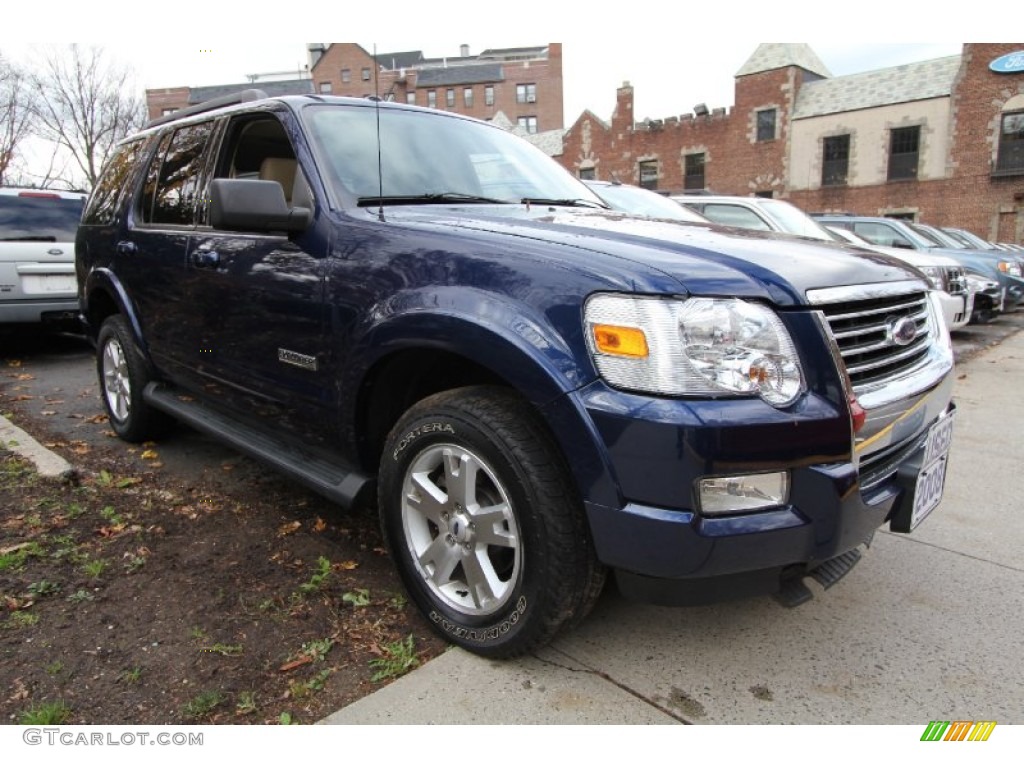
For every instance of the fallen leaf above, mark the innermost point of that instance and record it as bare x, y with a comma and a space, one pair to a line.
48, 413
109, 531
150, 454
20, 691
289, 666
109, 433
156, 464
24, 377
319, 525
99, 418
289, 528
348, 565
51, 401
128, 482
19, 398
14, 363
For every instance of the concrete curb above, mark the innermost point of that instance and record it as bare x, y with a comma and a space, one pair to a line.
48, 464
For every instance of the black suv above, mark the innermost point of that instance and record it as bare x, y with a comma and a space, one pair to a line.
414, 309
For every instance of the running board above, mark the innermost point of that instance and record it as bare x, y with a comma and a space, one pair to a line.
794, 592
322, 471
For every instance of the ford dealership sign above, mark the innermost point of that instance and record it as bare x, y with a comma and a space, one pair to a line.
1011, 62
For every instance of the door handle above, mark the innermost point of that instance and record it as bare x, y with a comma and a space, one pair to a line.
206, 259
126, 248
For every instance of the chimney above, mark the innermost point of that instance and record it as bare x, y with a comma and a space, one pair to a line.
315, 51
464, 51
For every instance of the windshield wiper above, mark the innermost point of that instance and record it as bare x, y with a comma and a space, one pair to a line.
431, 197
570, 202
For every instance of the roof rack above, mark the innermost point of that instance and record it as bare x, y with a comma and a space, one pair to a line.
250, 94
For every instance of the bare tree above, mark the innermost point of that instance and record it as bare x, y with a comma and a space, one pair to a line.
85, 104
15, 115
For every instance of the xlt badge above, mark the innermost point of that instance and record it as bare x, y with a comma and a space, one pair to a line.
296, 358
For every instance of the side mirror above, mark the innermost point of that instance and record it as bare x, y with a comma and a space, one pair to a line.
251, 205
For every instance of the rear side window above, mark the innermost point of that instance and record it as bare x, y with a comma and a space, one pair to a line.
173, 181
102, 208
38, 216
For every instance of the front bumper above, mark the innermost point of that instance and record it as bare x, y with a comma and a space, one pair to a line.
666, 552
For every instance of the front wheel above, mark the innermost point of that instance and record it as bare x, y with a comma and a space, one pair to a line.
484, 523
122, 375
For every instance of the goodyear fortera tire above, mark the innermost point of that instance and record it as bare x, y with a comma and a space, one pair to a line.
122, 374
484, 524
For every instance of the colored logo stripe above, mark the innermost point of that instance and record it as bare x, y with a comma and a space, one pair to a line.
958, 730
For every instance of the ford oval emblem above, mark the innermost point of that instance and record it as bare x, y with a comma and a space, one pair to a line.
903, 331
1011, 62
55, 252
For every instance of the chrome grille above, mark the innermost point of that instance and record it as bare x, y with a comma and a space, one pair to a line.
864, 331
956, 281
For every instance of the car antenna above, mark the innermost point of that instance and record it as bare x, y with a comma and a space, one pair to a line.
380, 164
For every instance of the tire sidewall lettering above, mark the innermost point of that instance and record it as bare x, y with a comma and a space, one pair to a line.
481, 634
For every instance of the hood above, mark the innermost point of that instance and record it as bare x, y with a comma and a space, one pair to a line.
705, 259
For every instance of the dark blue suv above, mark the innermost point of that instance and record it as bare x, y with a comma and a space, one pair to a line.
413, 309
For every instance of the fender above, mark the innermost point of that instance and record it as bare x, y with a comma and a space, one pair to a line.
103, 280
514, 342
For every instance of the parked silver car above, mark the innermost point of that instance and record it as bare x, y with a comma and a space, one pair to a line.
37, 255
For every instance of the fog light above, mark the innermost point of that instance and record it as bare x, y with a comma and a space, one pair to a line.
743, 493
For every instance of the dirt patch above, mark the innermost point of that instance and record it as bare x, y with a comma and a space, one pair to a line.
133, 594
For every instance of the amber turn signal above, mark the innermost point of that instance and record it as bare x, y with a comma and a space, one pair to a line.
619, 340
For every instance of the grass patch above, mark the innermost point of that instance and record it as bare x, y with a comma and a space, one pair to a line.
399, 657
202, 704
47, 713
14, 558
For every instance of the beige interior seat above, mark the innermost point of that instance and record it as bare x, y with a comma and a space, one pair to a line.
281, 170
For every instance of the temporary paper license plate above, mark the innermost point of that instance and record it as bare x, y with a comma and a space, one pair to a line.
46, 284
930, 482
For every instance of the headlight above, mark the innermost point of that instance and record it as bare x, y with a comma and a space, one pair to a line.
936, 276
1010, 268
693, 347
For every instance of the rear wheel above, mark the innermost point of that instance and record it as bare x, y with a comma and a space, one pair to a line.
123, 376
484, 522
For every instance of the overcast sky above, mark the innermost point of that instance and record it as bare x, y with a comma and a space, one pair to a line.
674, 54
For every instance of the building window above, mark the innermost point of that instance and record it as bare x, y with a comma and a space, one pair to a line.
410, 97
766, 125
693, 171
325, 88
346, 75
432, 99
526, 93
489, 95
588, 174
450, 98
366, 73
649, 174
467, 97
836, 160
528, 123
1011, 144
903, 152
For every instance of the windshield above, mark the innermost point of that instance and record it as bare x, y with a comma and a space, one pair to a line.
643, 202
433, 157
796, 222
933, 237
36, 216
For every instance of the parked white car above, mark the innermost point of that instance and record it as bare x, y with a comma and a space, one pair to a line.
945, 274
37, 256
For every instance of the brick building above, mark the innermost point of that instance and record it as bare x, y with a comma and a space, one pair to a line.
523, 84
940, 141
